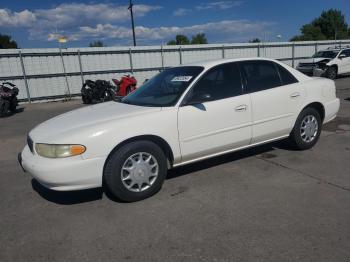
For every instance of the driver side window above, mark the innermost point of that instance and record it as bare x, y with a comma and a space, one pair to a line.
220, 82
346, 53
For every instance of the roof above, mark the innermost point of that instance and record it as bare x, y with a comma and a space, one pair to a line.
336, 48
211, 63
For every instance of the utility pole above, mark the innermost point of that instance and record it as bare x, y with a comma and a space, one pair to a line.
132, 21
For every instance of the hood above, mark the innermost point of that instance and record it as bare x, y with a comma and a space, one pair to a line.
316, 60
86, 117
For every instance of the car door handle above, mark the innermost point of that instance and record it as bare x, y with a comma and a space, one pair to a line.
294, 95
241, 108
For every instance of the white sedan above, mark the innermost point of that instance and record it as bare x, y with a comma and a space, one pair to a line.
182, 115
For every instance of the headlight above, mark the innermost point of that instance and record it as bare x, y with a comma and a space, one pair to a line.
59, 151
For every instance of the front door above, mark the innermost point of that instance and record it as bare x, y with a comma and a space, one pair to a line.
216, 116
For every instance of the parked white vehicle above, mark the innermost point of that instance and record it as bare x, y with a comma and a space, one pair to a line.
328, 63
182, 115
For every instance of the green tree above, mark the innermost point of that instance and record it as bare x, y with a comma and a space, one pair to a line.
171, 42
310, 33
255, 40
180, 40
97, 44
330, 25
6, 42
199, 39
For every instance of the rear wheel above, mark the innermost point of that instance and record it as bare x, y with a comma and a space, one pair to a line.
13, 105
307, 129
4, 107
135, 171
332, 72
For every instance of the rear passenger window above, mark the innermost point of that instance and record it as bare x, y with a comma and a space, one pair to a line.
286, 77
260, 75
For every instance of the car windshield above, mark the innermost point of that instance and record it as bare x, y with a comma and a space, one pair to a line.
325, 54
165, 88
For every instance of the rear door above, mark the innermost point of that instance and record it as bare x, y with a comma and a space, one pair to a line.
219, 123
276, 98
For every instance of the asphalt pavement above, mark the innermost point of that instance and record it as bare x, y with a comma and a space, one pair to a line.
263, 204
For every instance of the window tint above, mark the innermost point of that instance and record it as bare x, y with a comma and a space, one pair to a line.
165, 88
286, 77
260, 75
346, 52
220, 82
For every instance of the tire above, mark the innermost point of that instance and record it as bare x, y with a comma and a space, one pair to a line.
4, 108
85, 99
13, 105
304, 136
113, 95
135, 171
332, 73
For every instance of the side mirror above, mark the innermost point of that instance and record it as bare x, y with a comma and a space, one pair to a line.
199, 98
341, 56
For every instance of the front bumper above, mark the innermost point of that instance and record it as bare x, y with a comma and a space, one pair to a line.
312, 71
318, 72
306, 70
63, 174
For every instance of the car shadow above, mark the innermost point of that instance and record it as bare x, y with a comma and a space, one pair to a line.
81, 196
67, 197
343, 76
264, 150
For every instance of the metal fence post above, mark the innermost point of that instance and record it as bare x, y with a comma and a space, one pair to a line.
80, 68
258, 50
223, 51
162, 56
24, 76
316, 47
262, 49
131, 64
65, 74
293, 54
180, 54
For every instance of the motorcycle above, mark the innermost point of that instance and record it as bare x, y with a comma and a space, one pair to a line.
125, 85
8, 98
98, 91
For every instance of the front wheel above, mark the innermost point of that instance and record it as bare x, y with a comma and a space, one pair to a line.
86, 99
307, 129
128, 90
331, 73
135, 171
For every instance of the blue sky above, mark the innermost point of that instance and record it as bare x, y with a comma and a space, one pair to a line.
39, 23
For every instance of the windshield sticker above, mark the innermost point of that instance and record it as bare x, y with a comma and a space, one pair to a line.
181, 78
